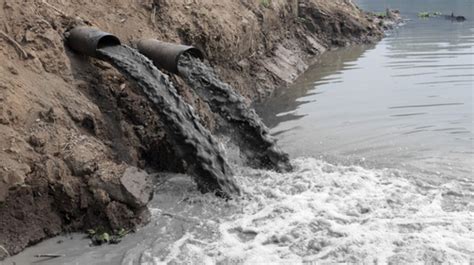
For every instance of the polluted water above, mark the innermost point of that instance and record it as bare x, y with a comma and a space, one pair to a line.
237, 120
191, 140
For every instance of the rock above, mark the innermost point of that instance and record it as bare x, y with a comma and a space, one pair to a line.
137, 184
101, 196
13, 70
84, 118
82, 156
49, 115
119, 215
37, 140
10, 177
128, 185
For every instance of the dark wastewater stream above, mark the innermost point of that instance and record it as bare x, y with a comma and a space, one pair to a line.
191, 140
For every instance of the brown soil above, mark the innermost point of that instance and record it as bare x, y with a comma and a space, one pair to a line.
73, 132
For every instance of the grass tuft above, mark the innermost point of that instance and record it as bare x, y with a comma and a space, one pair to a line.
429, 14
100, 236
266, 3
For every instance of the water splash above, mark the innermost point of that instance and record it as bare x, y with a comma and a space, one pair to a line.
319, 214
238, 121
191, 140
322, 213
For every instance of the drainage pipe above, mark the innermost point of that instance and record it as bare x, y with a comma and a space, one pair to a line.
166, 55
87, 40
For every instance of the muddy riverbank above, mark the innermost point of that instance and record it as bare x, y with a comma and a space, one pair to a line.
74, 134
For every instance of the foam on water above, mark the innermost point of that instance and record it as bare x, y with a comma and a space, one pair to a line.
323, 213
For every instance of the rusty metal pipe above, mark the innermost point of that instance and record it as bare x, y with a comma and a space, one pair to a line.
87, 40
166, 55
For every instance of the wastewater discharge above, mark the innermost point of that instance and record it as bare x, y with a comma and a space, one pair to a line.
237, 120
319, 212
325, 214
191, 140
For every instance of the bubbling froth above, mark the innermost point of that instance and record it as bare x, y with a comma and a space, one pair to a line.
323, 213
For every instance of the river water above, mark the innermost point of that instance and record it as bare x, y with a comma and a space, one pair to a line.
406, 102
381, 139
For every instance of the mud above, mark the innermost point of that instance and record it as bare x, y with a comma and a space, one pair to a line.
236, 119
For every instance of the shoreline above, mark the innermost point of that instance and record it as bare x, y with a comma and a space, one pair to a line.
86, 128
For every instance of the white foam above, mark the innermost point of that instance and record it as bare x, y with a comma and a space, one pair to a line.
327, 213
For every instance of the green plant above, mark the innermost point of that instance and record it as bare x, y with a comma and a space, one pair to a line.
121, 233
266, 3
424, 14
429, 14
303, 20
100, 236
380, 14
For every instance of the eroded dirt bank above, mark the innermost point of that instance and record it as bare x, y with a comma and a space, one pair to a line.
75, 136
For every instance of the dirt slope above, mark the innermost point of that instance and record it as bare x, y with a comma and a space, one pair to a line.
73, 132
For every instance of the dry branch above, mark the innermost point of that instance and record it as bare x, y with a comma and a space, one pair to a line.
17, 46
54, 8
49, 256
5, 250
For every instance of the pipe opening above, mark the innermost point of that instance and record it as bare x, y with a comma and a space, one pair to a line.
166, 55
87, 40
194, 52
108, 40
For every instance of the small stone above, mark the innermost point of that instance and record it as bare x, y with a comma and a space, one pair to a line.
13, 70
4, 121
30, 36
101, 196
36, 141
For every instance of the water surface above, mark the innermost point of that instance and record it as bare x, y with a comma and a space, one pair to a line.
406, 102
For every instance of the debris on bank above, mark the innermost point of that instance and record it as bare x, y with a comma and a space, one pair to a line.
451, 17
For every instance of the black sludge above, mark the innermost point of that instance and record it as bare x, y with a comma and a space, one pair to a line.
192, 141
238, 121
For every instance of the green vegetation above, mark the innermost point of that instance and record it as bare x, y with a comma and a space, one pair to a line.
303, 20
99, 236
381, 14
266, 3
429, 14
424, 14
